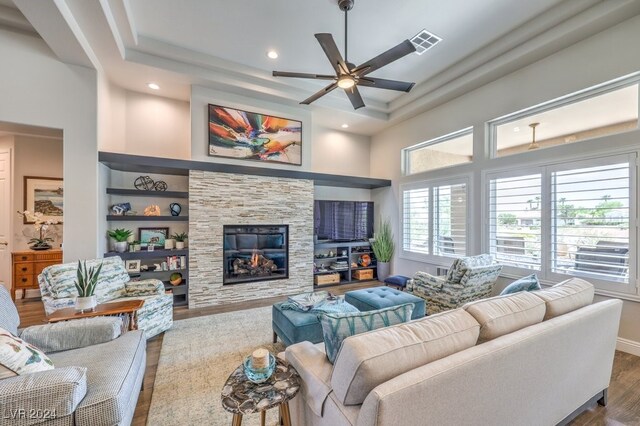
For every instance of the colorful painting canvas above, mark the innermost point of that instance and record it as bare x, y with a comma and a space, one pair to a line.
251, 136
44, 195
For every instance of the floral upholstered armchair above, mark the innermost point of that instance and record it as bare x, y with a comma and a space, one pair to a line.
468, 279
114, 285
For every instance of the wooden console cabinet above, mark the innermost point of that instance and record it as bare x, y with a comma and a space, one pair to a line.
27, 265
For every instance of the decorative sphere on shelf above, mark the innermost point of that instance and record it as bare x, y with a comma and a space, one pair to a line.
175, 209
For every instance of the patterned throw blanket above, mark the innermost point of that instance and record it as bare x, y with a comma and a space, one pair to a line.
321, 302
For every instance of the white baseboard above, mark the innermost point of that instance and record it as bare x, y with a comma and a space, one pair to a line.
629, 346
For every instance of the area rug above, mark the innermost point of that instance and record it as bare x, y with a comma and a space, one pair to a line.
196, 358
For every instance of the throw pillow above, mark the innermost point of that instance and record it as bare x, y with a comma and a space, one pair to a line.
337, 327
399, 280
21, 357
528, 283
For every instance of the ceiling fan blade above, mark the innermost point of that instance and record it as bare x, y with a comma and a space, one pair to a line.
303, 75
381, 83
385, 58
354, 96
331, 50
319, 94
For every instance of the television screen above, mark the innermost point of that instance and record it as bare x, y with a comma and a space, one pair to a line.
343, 220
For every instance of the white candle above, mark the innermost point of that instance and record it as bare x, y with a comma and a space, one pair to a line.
260, 359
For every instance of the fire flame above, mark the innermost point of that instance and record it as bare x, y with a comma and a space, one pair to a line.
254, 259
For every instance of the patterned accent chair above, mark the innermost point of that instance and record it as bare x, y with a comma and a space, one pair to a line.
114, 285
468, 279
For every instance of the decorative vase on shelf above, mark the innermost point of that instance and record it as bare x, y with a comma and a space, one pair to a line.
86, 303
169, 244
180, 245
383, 270
120, 246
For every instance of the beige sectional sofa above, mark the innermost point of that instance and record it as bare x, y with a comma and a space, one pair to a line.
523, 359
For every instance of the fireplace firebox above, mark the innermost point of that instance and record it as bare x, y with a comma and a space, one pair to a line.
255, 253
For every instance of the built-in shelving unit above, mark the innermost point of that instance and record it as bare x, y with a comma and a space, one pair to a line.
353, 249
118, 193
145, 193
170, 166
126, 218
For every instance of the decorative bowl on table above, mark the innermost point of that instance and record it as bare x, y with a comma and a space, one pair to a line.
259, 375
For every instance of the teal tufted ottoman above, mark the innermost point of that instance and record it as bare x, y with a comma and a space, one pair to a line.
293, 326
369, 299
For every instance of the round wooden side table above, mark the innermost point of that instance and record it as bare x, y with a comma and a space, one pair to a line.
241, 396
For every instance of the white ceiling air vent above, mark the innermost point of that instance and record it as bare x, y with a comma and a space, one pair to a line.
424, 41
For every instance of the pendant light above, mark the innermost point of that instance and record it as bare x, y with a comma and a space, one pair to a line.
533, 144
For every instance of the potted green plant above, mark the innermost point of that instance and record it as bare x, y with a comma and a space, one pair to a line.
136, 245
85, 284
180, 239
120, 236
383, 247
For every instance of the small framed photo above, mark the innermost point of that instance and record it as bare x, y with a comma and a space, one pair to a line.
152, 237
132, 266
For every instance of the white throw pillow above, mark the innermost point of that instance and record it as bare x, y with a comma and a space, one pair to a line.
21, 357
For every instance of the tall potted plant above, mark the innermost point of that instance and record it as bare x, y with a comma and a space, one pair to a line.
120, 236
86, 286
383, 247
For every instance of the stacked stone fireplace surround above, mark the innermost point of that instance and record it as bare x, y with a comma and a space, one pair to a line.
217, 199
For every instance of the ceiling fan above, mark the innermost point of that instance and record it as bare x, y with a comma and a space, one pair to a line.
348, 76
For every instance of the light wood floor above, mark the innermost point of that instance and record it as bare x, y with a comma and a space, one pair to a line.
624, 392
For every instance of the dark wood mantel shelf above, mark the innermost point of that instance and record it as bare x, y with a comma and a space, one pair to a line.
170, 166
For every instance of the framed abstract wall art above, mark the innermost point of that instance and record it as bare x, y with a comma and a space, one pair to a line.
44, 195
252, 136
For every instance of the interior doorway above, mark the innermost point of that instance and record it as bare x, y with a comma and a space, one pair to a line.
31, 178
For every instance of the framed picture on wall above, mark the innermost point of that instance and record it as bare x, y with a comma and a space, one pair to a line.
234, 133
44, 195
152, 237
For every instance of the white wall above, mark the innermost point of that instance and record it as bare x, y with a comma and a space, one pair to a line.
608, 55
340, 153
39, 157
143, 124
37, 89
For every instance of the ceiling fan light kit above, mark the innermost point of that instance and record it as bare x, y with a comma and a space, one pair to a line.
348, 76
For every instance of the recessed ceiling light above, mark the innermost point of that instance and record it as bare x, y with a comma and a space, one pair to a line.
345, 126
272, 54
153, 86
516, 129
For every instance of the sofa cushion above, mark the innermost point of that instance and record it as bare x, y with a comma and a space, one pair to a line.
66, 335
21, 357
59, 279
114, 372
528, 283
369, 359
566, 296
502, 315
337, 327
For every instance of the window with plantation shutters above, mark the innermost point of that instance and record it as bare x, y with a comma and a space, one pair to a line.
590, 221
415, 219
573, 218
434, 220
450, 220
515, 220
